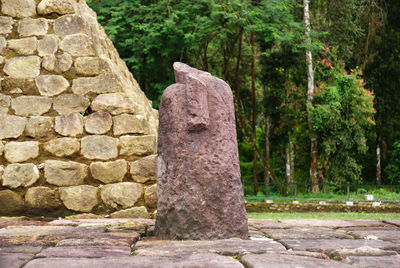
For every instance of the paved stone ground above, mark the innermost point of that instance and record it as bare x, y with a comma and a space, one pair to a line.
129, 243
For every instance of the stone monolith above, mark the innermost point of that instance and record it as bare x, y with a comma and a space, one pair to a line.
198, 180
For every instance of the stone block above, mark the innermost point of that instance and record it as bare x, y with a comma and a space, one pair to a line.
150, 196
122, 194
62, 146
144, 169
69, 24
1, 153
18, 8
132, 213
63, 173
137, 145
99, 147
26, 85
104, 83
10, 202
109, 172
61, 7
40, 127
6, 24
5, 102
48, 45
78, 45
92, 66
3, 44
63, 63
114, 103
31, 105
23, 46
21, 151
130, 124
11, 126
33, 27
20, 175
70, 103
98, 123
69, 124
23, 67
81, 198
49, 62
42, 198
51, 85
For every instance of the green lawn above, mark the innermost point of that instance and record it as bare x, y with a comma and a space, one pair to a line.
326, 216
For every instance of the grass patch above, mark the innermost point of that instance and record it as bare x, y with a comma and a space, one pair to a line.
326, 216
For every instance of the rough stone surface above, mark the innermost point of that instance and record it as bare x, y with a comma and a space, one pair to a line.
198, 179
69, 124
33, 27
331, 245
99, 147
130, 124
31, 105
11, 126
6, 24
114, 103
23, 67
1, 153
124, 194
138, 145
3, 44
51, 85
42, 198
103, 83
26, 85
40, 126
63, 146
78, 45
62, 173
48, 45
189, 260
133, 213
69, 24
20, 175
150, 196
70, 103
287, 260
372, 261
85, 251
49, 62
10, 202
24, 46
144, 169
79, 198
109, 172
92, 66
18, 8
14, 260
21, 151
61, 7
98, 123
227, 247
5, 102
63, 63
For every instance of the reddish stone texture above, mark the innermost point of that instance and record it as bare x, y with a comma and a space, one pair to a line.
198, 186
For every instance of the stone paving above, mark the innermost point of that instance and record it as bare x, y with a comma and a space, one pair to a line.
130, 243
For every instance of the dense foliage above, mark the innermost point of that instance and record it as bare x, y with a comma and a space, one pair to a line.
259, 47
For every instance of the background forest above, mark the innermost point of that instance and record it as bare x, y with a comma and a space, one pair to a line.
316, 83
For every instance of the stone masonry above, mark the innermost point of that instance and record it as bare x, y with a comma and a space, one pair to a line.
76, 132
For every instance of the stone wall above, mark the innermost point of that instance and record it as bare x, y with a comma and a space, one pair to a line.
76, 132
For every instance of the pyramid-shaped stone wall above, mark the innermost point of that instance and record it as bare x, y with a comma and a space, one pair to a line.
76, 132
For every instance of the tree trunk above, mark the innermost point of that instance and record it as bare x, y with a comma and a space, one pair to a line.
378, 164
267, 150
287, 166
254, 118
310, 94
291, 153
